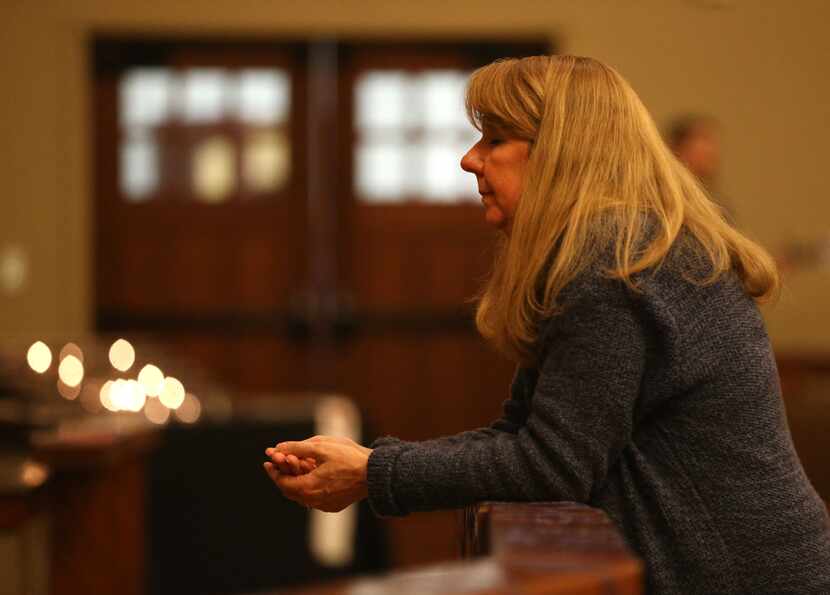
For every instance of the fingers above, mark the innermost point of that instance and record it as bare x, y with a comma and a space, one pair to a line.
294, 464
299, 488
296, 488
279, 461
292, 490
271, 471
313, 448
290, 464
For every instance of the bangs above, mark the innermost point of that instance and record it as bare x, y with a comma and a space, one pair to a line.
497, 98
486, 98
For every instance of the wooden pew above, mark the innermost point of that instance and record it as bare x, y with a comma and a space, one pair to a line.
556, 548
96, 503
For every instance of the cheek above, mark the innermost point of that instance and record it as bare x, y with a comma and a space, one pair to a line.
512, 194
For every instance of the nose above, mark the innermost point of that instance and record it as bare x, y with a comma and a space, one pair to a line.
471, 161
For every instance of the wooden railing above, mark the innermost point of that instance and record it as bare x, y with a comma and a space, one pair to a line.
557, 548
805, 383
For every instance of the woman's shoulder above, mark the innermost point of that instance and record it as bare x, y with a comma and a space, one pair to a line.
681, 290
687, 273
674, 297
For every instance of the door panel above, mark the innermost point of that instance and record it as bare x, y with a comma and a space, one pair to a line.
217, 282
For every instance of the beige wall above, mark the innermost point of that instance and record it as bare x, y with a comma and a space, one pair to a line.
761, 66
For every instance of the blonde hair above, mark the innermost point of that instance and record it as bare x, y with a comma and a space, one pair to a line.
598, 175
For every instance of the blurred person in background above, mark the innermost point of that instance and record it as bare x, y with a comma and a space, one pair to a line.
696, 141
645, 384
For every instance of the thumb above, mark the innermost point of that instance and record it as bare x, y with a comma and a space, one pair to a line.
302, 450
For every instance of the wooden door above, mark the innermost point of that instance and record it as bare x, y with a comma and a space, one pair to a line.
326, 283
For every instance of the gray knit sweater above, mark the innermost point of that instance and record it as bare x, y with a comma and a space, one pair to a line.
663, 408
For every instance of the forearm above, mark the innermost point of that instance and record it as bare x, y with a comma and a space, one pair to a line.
581, 418
431, 475
441, 442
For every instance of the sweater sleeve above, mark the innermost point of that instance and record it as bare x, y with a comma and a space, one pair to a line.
580, 418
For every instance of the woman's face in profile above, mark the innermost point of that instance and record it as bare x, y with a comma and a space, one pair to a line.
498, 161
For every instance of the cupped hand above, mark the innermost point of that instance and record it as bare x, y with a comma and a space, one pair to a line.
337, 480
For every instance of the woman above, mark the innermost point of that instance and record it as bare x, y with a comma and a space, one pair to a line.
646, 384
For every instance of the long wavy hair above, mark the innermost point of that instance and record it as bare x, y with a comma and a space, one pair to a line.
598, 175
